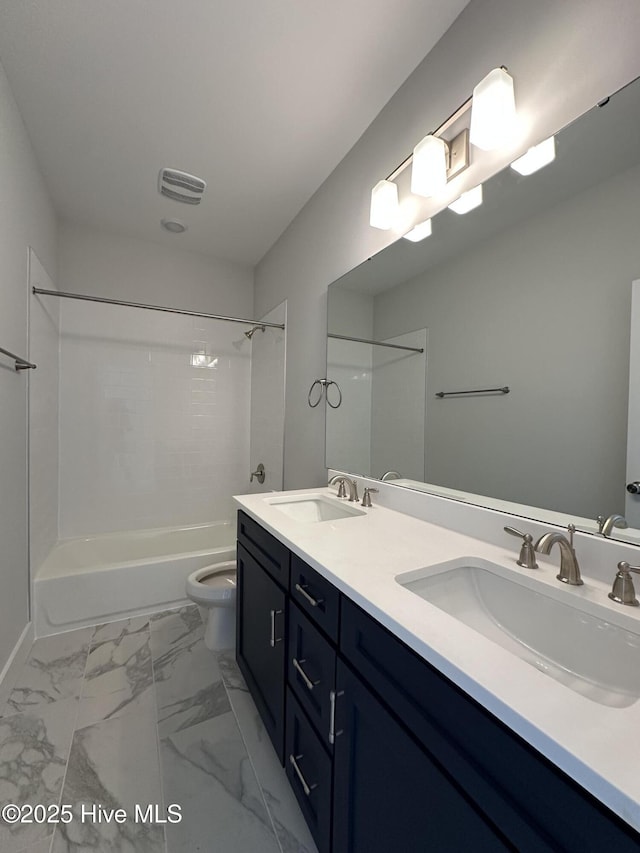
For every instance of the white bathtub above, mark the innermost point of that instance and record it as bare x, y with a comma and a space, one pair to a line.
117, 575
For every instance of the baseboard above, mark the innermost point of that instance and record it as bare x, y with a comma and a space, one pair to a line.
17, 658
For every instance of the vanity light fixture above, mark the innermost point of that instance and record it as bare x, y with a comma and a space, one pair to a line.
384, 205
467, 201
419, 232
435, 161
536, 157
493, 114
429, 168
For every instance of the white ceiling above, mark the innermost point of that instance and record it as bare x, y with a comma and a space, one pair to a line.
261, 98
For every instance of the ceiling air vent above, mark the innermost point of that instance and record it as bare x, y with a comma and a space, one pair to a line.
181, 186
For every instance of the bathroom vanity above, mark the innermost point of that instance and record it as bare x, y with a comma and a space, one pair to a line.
400, 726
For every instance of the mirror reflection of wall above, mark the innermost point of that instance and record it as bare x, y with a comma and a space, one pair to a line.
530, 291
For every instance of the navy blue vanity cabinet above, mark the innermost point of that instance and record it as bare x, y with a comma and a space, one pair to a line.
261, 642
383, 752
535, 805
389, 793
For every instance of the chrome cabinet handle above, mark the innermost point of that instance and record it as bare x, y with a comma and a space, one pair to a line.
273, 640
333, 734
310, 684
293, 759
314, 602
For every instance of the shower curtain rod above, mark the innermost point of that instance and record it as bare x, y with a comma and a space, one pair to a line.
375, 343
40, 290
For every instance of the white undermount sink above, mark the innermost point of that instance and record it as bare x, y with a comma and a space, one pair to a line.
314, 508
590, 655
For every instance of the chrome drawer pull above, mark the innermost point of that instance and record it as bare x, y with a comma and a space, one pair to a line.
312, 601
294, 762
310, 684
273, 640
333, 734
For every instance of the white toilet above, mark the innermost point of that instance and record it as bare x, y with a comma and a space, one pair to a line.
213, 588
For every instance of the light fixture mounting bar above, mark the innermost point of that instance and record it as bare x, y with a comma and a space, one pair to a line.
462, 109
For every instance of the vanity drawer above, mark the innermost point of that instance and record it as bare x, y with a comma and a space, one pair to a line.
311, 670
319, 599
535, 805
265, 548
309, 772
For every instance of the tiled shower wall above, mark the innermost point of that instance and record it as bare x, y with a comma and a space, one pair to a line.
154, 418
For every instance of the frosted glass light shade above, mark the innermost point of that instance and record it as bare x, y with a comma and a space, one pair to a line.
419, 231
467, 201
384, 205
537, 157
429, 167
493, 111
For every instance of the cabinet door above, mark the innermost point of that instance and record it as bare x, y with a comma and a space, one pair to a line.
389, 794
261, 646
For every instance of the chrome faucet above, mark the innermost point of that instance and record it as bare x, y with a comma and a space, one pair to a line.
623, 591
344, 482
569, 568
606, 525
341, 489
390, 475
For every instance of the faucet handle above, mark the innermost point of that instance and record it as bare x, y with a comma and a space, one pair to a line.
366, 497
623, 591
527, 558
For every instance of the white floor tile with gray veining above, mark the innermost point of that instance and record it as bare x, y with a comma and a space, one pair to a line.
53, 671
140, 713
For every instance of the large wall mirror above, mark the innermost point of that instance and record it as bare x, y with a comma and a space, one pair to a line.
531, 292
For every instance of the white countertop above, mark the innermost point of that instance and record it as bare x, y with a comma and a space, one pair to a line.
595, 744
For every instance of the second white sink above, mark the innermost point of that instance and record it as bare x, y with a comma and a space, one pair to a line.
588, 654
314, 508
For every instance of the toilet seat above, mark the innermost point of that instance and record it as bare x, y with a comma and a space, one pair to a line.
213, 585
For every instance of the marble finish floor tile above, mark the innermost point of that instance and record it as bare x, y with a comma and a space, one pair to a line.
53, 671
189, 685
175, 629
207, 771
118, 630
119, 676
41, 847
34, 747
114, 764
290, 826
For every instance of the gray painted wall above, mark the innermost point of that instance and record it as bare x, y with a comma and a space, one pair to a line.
26, 219
564, 57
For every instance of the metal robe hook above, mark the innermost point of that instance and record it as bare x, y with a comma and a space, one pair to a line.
323, 390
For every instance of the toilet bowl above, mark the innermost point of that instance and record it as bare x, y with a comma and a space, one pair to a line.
213, 588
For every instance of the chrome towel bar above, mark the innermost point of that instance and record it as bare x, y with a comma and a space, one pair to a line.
504, 390
21, 363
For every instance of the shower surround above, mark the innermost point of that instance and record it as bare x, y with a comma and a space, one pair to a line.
154, 418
